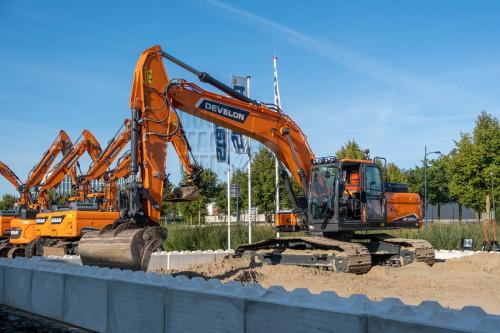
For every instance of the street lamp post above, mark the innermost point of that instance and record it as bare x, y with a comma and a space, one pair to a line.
493, 195
425, 180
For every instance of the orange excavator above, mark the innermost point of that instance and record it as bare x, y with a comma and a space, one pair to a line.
26, 208
23, 228
61, 230
322, 209
8, 214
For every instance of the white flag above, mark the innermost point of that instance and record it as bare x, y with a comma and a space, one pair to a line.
277, 99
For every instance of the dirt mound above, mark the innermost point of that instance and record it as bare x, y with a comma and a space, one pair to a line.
455, 283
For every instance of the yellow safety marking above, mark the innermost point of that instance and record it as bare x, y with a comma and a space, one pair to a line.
149, 75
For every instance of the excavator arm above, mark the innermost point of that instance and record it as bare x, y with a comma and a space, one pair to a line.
61, 144
104, 160
110, 177
67, 165
18, 184
189, 189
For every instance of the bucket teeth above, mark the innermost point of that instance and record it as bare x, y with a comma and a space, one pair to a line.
125, 246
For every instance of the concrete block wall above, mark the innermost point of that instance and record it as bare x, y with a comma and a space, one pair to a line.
164, 260
447, 254
112, 300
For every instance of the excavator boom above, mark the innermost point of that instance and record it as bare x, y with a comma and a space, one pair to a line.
67, 165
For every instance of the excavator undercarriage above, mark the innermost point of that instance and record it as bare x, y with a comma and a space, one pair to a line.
338, 255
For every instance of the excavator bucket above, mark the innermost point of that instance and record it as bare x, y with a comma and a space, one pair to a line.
183, 194
125, 247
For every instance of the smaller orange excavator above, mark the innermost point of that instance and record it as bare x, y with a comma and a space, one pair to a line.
7, 215
26, 208
61, 230
23, 227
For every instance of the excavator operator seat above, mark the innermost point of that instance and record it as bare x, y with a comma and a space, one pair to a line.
353, 183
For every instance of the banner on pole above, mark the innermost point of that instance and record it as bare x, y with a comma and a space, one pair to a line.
277, 99
220, 143
240, 142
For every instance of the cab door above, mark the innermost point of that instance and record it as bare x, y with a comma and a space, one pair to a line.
373, 195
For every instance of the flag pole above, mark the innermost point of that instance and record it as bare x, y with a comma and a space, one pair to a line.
277, 101
228, 194
249, 177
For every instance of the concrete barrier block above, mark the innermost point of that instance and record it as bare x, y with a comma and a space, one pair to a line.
198, 311
330, 299
389, 302
69, 259
17, 286
86, 299
177, 261
267, 316
135, 306
159, 260
473, 312
489, 324
429, 306
47, 294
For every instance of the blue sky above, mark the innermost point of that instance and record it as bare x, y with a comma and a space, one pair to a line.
394, 75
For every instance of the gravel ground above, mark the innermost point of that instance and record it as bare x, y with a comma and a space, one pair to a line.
17, 321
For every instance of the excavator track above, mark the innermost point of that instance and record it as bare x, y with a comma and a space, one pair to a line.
319, 252
422, 249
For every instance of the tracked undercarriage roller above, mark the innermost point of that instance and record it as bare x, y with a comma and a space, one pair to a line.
122, 246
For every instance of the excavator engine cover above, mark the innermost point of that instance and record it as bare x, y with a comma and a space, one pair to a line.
124, 246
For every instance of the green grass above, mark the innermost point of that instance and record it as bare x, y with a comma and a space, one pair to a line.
192, 238
448, 236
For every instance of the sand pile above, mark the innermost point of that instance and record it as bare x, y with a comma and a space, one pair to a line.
455, 283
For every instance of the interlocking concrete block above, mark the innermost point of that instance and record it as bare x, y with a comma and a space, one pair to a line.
179, 260
136, 306
268, 316
197, 311
17, 287
69, 259
86, 298
47, 294
159, 260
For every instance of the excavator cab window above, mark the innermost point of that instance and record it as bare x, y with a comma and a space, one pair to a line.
322, 187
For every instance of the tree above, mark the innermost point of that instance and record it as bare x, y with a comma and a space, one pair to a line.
209, 190
473, 160
7, 201
168, 208
263, 181
438, 191
395, 174
351, 150
240, 178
